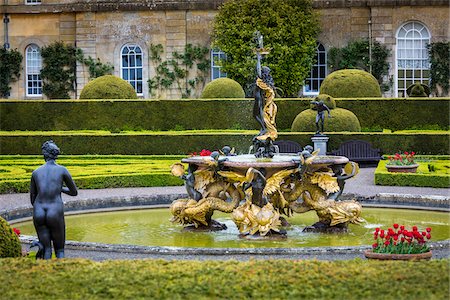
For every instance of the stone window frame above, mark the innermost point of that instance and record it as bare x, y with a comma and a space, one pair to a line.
319, 66
33, 61
414, 66
133, 68
217, 54
33, 2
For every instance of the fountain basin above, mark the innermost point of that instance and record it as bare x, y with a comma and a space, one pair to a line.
150, 227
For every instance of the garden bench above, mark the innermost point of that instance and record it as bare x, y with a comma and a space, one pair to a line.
359, 151
288, 146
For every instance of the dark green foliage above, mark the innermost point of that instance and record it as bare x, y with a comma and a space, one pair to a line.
289, 28
176, 71
118, 115
439, 53
418, 90
341, 120
9, 243
108, 87
10, 61
223, 88
356, 56
350, 83
58, 72
423, 178
95, 67
326, 99
258, 279
183, 143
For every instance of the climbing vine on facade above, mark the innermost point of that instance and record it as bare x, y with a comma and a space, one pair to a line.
440, 67
356, 56
58, 71
177, 72
95, 67
10, 61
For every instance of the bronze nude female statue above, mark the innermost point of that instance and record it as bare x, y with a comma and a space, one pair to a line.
48, 209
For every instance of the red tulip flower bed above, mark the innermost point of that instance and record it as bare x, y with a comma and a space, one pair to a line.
398, 240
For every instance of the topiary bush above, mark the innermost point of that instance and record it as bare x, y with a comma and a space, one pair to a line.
9, 242
108, 87
341, 120
326, 99
350, 83
418, 90
223, 88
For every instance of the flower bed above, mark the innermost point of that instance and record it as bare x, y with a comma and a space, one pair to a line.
430, 173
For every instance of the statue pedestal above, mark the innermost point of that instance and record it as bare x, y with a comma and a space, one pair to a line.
320, 142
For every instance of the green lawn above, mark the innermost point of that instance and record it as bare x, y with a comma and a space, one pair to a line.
92, 171
256, 279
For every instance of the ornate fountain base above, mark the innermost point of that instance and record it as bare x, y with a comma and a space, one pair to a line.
212, 226
321, 227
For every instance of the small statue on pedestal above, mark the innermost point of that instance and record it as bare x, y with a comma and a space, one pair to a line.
48, 208
320, 118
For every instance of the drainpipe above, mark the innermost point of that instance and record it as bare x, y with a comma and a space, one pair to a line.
370, 40
6, 21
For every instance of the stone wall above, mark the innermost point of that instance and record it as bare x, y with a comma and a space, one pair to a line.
101, 28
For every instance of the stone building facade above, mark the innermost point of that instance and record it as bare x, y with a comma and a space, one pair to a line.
120, 32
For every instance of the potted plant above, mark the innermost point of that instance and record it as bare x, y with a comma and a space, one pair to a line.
397, 243
403, 163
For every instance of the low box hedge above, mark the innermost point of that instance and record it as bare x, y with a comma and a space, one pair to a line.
92, 172
440, 178
117, 115
255, 279
182, 143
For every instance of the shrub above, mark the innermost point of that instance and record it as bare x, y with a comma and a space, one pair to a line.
223, 88
350, 83
108, 87
418, 90
327, 99
9, 242
341, 120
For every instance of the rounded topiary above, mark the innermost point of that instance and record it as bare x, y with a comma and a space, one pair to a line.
9, 242
341, 120
108, 87
223, 88
418, 90
326, 99
350, 83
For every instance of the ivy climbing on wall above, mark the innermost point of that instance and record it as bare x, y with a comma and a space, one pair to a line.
356, 56
177, 72
95, 67
10, 61
439, 53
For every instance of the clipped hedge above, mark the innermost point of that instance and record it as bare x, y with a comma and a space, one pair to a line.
182, 143
223, 88
341, 120
423, 177
350, 83
9, 243
116, 115
108, 87
231, 279
92, 172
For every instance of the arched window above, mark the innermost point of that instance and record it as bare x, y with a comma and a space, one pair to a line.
318, 72
131, 66
413, 64
216, 57
33, 68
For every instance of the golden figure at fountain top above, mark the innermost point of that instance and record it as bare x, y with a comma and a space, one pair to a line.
264, 108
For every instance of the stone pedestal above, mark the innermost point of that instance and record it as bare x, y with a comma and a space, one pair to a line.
320, 142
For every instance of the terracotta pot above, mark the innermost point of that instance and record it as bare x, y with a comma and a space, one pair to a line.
388, 256
402, 169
